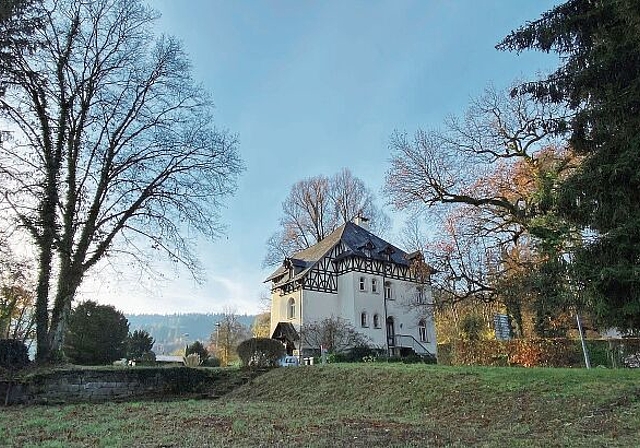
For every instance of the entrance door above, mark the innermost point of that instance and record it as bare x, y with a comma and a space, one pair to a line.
391, 333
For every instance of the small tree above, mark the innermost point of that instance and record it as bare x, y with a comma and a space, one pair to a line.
472, 327
138, 343
334, 334
96, 335
228, 333
260, 352
261, 325
199, 349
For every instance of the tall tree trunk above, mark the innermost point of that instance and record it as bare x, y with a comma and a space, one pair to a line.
68, 282
42, 303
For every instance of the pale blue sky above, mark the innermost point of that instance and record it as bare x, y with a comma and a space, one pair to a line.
311, 87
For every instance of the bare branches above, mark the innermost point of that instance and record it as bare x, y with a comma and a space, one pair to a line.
334, 334
120, 141
437, 167
491, 177
316, 207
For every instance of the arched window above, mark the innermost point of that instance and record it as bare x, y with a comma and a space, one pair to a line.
363, 284
363, 319
291, 308
388, 292
422, 330
376, 320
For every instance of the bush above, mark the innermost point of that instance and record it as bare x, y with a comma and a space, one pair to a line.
558, 352
96, 334
14, 354
412, 359
333, 358
472, 327
359, 352
211, 361
138, 343
260, 352
197, 348
192, 360
387, 358
429, 359
148, 358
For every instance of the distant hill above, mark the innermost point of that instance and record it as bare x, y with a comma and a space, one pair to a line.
172, 332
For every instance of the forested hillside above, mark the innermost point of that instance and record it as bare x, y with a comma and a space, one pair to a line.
172, 332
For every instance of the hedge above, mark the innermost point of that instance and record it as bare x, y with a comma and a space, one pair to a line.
260, 352
557, 352
13, 354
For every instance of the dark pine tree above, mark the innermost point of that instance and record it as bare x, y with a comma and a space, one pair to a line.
599, 79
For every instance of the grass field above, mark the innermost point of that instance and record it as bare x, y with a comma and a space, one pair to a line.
361, 405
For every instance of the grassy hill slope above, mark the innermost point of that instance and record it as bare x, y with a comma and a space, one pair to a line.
470, 406
362, 405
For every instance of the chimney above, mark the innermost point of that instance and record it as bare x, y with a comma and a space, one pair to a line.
361, 221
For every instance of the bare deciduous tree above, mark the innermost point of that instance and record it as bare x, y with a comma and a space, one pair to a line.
316, 207
115, 145
489, 179
334, 334
226, 337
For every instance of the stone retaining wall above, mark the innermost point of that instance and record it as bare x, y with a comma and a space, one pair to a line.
86, 385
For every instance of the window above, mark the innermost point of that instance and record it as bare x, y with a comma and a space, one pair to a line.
388, 291
419, 295
374, 285
291, 308
422, 330
376, 321
363, 284
363, 319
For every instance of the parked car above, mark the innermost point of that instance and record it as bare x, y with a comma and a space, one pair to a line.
290, 361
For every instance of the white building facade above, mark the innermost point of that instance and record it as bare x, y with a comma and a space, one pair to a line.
382, 291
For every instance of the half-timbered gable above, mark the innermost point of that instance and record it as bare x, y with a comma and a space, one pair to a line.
356, 275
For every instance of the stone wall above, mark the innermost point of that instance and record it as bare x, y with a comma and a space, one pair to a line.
95, 385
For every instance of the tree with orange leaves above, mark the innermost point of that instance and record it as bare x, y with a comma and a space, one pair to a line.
490, 178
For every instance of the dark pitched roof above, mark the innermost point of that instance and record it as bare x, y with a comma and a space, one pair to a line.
285, 331
357, 242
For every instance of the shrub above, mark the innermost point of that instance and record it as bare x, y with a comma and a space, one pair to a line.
148, 358
359, 352
138, 343
472, 327
260, 352
211, 361
96, 334
192, 360
549, 352
430, 359
337, 357
198, 348
14, 354
387, 358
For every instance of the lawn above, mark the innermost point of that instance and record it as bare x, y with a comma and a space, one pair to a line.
361, 405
